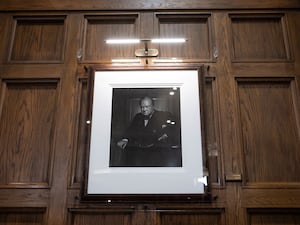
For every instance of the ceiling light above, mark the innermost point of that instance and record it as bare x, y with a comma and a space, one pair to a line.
171, 60
168, 40
125, 60
136, 41
122, 41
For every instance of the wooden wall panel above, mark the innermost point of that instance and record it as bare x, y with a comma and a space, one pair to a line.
196, 217
4, 36
28, 216
145, 4
80, 140
26, 131
102, 27
93, 217
256, 115
211, 128
38, 39
270, 131
196, 28
274, 217
259, 37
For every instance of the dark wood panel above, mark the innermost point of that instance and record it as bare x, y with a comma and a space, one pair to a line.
14, 216
259, 37
80, 139
275, 197
196, 28
4, 36
269, 129
212, 140
267, 69
100, 217
23, 197
294, 28
144, 4
110, 26
26, 131
257, 97
38, 39
196, 217
32, 71
226, 100
274, 217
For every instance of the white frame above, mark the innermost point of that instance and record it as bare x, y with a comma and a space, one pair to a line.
105, 180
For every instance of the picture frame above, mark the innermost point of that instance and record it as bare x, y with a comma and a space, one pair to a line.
166, 169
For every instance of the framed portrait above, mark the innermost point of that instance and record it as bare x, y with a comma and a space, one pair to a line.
145, 135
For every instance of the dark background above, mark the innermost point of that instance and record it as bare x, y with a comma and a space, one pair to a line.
125, 106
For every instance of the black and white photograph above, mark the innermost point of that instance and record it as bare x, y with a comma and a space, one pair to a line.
145, 130
140, 133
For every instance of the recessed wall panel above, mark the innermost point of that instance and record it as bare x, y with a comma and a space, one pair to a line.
27, 117
259, 37
274, 217
38, 39
212, 156
81, 132
100, 217
26, 216
102, 27
269, 129
187, 217
195, 28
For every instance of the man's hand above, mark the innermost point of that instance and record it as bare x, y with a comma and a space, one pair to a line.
123, 143
163, 137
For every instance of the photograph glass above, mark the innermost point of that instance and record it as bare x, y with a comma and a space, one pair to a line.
145, 130
145, 133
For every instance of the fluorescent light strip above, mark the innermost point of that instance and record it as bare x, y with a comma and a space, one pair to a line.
126, 60
122, 41
136, 41
172, 60
168, 40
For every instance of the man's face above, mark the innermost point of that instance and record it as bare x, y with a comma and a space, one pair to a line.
146, 107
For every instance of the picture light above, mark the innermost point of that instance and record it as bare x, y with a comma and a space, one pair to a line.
146, 52
136, 41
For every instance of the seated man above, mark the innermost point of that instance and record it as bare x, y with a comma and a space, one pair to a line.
152, 139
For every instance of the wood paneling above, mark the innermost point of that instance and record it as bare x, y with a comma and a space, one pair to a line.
4, 37
28, 216
102, 27
26, 131
269, 129
251, 115
38, 39
80, 140
23, 198
196, 28
259, 37
274, 197
211, 129
274, 217
145, 4
191, 218
100, 217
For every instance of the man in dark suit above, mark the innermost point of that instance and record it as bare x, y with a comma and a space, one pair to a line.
152, 139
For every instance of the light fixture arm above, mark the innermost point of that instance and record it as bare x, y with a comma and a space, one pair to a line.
146, 48
146, 52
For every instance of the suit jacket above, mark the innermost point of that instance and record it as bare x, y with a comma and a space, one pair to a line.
141, 136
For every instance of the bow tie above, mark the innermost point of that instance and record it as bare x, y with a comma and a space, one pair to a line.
147, 117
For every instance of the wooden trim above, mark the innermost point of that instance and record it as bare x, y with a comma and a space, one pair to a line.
145, 5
